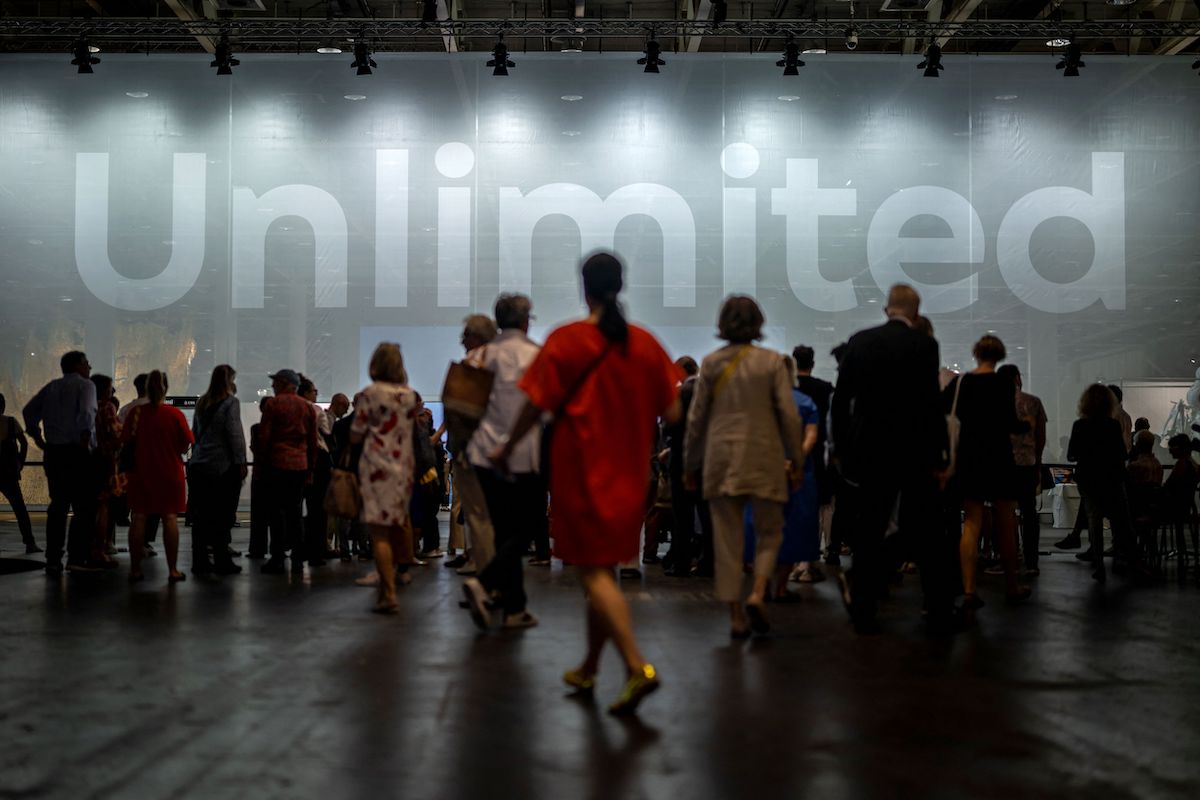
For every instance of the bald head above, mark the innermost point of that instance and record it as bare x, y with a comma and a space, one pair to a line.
339, 405
903, 301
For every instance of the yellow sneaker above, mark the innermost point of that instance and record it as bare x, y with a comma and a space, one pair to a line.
637, 688
579, 680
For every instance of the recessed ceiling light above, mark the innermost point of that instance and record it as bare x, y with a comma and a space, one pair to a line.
789, 98
816, 51
571, 133
1004, 98
354, 96
1059, 42
137, 95
571, 98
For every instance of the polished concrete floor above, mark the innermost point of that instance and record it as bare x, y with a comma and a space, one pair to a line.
273, 687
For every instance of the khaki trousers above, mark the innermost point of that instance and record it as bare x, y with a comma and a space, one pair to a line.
481, 539
728, 519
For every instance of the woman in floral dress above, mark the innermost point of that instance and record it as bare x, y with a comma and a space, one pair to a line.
383, 423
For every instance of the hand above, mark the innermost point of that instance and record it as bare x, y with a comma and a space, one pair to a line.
499, 458
664, 457
243, 471
691, 481
36, 435
795, 477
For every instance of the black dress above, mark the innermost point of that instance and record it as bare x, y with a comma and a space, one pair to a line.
987, 412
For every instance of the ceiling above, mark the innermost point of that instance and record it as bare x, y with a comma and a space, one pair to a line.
1145, 27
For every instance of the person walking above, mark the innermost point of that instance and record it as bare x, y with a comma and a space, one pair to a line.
215, 473
288, 437
160, 436
383, 425
14, 448
985, 404
1027, 455
606, 383
744, 427
516, 498
61, 420
889, 439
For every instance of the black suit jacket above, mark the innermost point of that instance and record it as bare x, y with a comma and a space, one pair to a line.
887, 412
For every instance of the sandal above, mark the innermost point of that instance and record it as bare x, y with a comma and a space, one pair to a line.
177, 578
758, 618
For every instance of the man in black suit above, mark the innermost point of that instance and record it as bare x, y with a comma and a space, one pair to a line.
889, 437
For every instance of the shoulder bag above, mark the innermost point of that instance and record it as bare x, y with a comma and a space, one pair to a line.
343, 498
465, 394
548, 428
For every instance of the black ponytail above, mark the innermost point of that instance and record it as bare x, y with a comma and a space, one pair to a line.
602, 283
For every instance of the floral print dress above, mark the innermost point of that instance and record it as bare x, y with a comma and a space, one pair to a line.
385, 472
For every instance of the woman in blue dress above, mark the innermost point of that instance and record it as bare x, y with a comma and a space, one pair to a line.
801, 528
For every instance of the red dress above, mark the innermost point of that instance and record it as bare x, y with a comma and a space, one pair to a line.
603, 440
161, 436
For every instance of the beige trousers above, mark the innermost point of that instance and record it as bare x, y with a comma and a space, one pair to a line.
728, 520
481, 539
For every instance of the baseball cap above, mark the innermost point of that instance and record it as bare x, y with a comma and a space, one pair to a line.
287, 376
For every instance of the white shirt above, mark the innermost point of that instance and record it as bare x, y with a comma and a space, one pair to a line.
123, 414
508, 356
324, 427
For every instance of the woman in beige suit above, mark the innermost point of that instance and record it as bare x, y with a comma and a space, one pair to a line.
743, 427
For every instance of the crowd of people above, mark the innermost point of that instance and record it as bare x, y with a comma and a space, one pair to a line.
596, 440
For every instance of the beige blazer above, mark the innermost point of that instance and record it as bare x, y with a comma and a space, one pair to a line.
744, 431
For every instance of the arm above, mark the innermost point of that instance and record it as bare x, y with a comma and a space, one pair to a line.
1039, 432
697, 428
32, 413
237, 438
811, 432
1072, 447
86, 415
526, 419
22, 442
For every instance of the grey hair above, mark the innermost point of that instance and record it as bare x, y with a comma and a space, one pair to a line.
480, 326
512, 310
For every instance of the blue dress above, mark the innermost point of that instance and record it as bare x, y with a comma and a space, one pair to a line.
801, 524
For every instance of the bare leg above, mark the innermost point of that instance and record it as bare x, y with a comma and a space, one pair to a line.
968, 546
759, 589
1006, 531
612, 611
137, 544
381, 540
782, 572
170, 526
597, 635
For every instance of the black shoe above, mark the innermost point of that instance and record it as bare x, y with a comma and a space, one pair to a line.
256, 556
456, 562
650, 560
227, 569
54, 570
1086, 555
31, 548
202, 568
1070, 542
273, 567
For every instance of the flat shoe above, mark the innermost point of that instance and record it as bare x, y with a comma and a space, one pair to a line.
758, 618
579, 680
639, 686
385, 608
180, 578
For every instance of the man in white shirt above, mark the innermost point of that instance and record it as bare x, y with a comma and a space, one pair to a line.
516, 500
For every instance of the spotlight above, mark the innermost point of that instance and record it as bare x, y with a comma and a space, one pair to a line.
83, 56
362, 57
223, 58
652, 61
328, 47
790, 62
851, 38
429, 11
932, 62
720, 11
500, 61
1071, 62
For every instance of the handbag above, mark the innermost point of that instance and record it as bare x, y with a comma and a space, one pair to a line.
126, 461
953, 429
465, 394
343, 498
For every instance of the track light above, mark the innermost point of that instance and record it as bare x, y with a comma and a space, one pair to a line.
362, 57
223, 58
429, 11
652, 61
1071, 62
790, 62
720, 11
500, 61
932, 62
83, 56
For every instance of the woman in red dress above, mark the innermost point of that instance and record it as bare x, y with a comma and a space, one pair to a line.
606, 382
160, 436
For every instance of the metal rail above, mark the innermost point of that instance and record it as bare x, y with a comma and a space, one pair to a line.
290, 32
